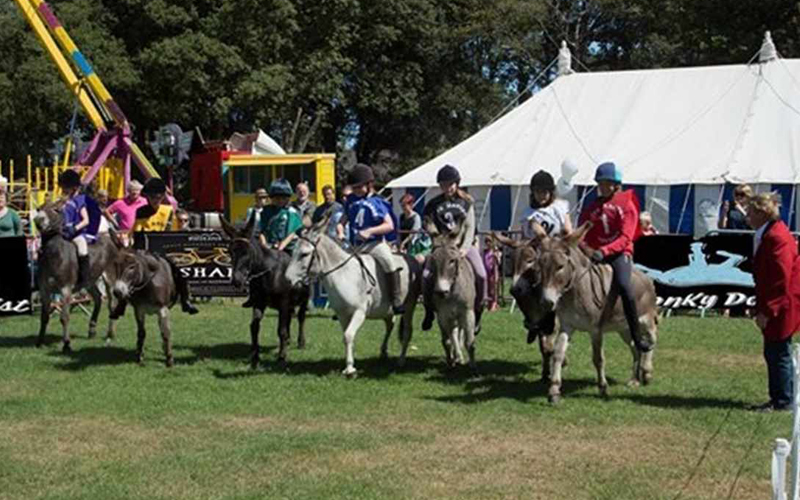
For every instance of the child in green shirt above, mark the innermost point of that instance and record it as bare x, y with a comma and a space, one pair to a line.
279, 221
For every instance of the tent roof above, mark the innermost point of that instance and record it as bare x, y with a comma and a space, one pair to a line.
703, 125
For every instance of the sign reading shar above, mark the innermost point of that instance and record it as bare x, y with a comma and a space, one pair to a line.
712, 272
202, 258
15, 284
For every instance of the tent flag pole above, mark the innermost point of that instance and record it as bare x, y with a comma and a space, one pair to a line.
485, 204
683, 210
514, 208
791, 207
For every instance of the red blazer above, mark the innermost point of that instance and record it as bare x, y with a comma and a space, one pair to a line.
614, 223
776, 271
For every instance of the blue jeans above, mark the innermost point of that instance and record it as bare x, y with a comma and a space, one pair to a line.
780, 371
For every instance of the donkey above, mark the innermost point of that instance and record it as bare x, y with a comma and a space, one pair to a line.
357, 289
58, 272
526, 288
454, 292
145, 281
578, 290
263, 270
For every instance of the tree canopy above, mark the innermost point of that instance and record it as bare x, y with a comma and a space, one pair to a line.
396, 79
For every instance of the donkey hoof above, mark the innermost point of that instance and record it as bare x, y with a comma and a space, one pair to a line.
170, 362
401, 362
554, 399
67, 349
604, 391
384, 355
109, 341
350, 372
647, 377
39, 344
92, 334
633, 383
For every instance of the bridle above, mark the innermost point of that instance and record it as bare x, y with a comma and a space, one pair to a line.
458, 264
365, 273
250, 276
136, 264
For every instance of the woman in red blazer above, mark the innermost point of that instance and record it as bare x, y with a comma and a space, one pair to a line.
776, 271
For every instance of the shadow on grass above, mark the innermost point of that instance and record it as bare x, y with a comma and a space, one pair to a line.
87, 357
27, 341
480, 389
682, 402
372, 368
231, 352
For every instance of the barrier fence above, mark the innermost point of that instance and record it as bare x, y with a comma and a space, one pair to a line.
785, 449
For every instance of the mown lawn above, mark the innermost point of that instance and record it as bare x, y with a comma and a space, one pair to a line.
95, 425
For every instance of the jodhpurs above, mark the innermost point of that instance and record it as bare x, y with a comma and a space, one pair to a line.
382, 253
621, 286
82, 246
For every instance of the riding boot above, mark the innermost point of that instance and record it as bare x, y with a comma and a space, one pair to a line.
83, 272
395, 291
183, 289
249, 302
544, 327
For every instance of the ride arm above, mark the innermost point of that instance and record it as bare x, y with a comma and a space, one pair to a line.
468, 230
629, 221
385, 227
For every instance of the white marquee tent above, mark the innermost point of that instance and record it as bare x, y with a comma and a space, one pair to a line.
683, 138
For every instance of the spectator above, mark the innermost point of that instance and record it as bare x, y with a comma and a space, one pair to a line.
303, 205
123, 212
10, 223
735, 217
776, 272
260, 201
414, 242
183, 221
102, 198
491, 261
331, 205
646, 227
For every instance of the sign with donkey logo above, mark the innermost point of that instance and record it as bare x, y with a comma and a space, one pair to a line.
201, 256
15, 284
712, 272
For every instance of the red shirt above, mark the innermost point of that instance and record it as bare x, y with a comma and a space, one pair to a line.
776, 271
614, 223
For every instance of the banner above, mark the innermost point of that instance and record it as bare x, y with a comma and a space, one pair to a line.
712, 272
15, 282
201, 256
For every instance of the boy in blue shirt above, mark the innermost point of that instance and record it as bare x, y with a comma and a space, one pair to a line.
371, 224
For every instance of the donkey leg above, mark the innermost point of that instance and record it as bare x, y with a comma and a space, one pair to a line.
598, 357
284, 320
166, 335
547, 347
457, 356
97, 303
255, 327
140, 335
301, 321
646, 360
406, 324
469, 337
356, 320
560, 352
389, 323
111, 332
66, 293
44, 314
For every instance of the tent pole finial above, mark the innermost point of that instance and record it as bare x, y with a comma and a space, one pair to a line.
564, 60
768, 51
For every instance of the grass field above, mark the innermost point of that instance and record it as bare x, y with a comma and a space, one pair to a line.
95, 425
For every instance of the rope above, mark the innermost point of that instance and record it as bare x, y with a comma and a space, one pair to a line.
485, 204
514, 208
517, 98
685, 204
571, 128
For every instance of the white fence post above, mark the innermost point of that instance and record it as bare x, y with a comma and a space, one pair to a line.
784, 448
795, 424
779, 455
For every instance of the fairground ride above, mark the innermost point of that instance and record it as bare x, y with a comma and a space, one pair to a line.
112, 145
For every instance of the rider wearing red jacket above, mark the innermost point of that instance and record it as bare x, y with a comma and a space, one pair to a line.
614, 217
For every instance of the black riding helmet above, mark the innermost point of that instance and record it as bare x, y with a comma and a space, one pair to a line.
69, 179
154, 187
542, 180
448, 173
360, 174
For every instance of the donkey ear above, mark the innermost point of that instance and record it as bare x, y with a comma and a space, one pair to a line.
229, 230
577, 236
505, 240
430, 227
538, 231
115, 239
248, 228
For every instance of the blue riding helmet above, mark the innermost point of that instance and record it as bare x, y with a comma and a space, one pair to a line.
608, 171
280, 187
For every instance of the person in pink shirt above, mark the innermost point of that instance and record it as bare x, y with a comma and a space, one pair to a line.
123, 211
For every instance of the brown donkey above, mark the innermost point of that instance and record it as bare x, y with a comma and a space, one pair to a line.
578, 291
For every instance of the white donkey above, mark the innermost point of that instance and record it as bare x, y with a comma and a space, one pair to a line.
357, 289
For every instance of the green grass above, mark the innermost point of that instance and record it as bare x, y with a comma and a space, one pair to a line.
94, 424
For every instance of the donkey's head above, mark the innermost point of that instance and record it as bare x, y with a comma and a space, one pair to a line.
243, 251
131, 272
48, 218
446, 263
560, 263
526, 262
303, 264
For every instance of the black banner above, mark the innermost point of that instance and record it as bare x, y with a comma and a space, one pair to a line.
712, 272
201, 256
15, 282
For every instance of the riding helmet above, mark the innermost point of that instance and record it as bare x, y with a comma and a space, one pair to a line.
280, 187
360, 174
154, 187
608, 171
448, 173
542, 180
69, 179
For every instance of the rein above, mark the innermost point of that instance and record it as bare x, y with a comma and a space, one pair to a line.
137, 288
251, 250
323, 274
